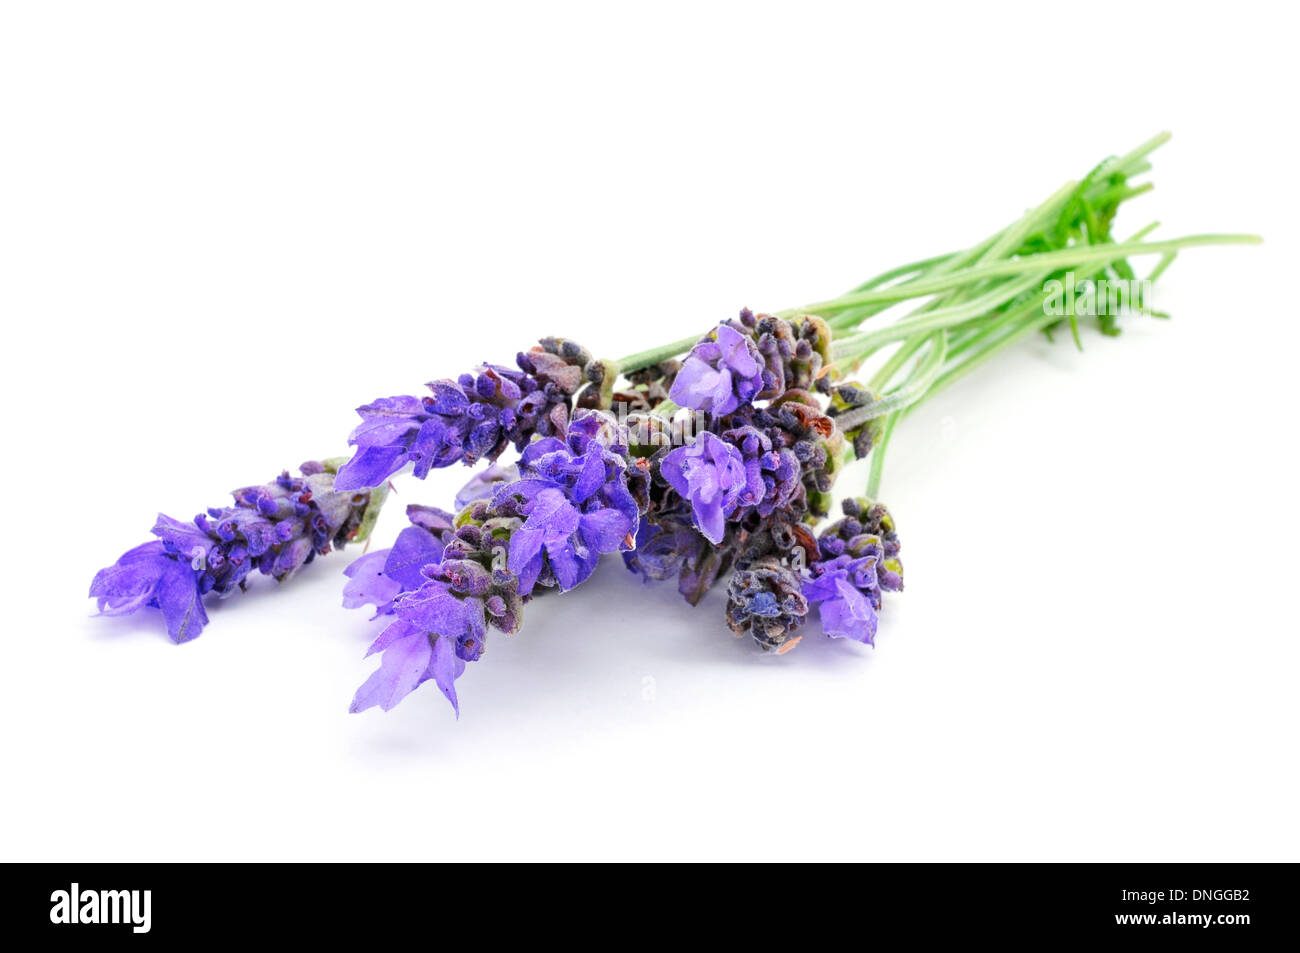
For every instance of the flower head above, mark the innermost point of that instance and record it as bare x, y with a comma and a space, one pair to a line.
574, 500
471, 418
441, 623
847, 593
721, 373
711, 474
578, 499
411, 656
275, 529
859, 560
867, 528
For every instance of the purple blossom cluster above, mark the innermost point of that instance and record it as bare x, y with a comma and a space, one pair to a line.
741, 498
447, 581
859, 561
735, 504
472, 418
753, 357
274, 529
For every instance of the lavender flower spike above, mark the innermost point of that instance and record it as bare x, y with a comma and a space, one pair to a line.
275, 528
722, 372
441, 620
418, 649
575, 500
580, 498
474, 417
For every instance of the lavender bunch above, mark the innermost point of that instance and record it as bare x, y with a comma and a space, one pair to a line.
781, 404
275, 529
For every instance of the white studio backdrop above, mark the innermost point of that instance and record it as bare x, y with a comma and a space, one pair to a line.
223, 227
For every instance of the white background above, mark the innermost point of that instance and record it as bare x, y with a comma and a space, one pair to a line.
223, 226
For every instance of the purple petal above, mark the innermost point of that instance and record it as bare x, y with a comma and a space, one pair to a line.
605, 531
444, 668
182, 606
402, 668
551, 512
572, 564
130, 583
524, 545
430, 517
448, 399
591, 479
434, 608
709, 519
823, 587
370, 466
415, 548
436, 445
186, 537
393, 632
672, 470
850, 616
403, 406
367, 583
735, 351
381, 431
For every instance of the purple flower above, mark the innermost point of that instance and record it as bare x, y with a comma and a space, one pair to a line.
440, 625
711, 474
474, 417
721, 373
411, 656
859, 559
150, 575
276, 529
842, 589
576, 496
368, 584
794, 448
576, 499
773, 474
378, 578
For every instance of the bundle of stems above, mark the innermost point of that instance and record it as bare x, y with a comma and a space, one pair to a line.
977, 302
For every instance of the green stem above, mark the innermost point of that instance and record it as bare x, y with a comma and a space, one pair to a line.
1131, 163
656, 355
906, 394
895, 363
976, 299
878, 457
859, 345
1043, 261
